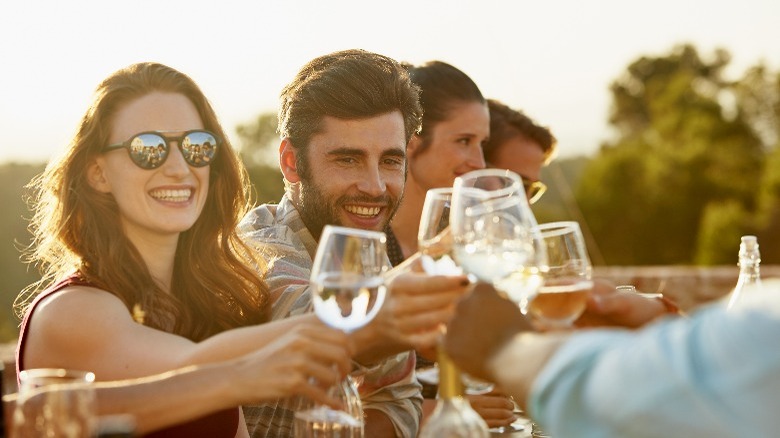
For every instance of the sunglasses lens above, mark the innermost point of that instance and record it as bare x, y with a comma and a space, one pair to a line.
199, 148
148, 151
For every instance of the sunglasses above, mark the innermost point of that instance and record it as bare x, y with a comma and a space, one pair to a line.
533, 189
149, 150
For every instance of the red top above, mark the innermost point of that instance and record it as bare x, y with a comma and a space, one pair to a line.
219, 424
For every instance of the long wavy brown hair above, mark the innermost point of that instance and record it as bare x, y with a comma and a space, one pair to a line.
217, 280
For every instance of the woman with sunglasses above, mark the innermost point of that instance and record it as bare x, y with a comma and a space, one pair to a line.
143, 272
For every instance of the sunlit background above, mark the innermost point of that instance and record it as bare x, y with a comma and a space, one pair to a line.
678, 185
555, 59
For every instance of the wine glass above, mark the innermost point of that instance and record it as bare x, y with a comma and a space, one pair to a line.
348, 289
495, 234
434, 238
55, 402
564, 295
434, 242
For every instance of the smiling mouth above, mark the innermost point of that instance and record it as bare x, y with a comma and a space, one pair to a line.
366, 212
180, 195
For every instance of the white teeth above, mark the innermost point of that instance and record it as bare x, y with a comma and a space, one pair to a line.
180, 195
363, 211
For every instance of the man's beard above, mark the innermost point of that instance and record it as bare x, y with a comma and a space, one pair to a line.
317, 210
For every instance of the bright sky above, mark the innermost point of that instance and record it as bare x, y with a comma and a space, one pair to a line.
552, 58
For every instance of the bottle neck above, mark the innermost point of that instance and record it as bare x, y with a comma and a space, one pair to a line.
749, 270
450, 384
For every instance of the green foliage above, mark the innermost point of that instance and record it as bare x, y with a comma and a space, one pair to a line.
681, 156
258, 143
267, 183
13, 237
722, 226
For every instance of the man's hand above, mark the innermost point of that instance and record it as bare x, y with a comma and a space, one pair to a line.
483, 322
413, 316
610, 307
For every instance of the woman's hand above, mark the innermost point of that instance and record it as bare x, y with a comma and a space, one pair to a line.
306, 361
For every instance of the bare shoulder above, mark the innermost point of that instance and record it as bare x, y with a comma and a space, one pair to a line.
71, 323
80, 302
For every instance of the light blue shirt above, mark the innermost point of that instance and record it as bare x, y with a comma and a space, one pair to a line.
715, 374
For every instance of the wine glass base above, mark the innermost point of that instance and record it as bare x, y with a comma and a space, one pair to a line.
517, 426
474, 386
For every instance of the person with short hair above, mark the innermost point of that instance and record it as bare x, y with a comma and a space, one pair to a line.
344, 122
519, 144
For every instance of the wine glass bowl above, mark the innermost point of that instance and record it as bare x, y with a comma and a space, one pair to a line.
495, 235
568, 279
347, 276
434, 237
495, 238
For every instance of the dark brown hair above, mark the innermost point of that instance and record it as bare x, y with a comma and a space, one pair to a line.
442, 86
506, 123
350, 84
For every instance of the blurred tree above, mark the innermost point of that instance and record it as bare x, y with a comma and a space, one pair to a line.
14, 236
757, 98
258, 142
678, 150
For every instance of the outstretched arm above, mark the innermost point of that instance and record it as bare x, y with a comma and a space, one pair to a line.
287, 366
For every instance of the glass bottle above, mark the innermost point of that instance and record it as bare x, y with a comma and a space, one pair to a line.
453, 416
749, 275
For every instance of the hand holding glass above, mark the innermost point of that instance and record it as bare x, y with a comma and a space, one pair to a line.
348, 289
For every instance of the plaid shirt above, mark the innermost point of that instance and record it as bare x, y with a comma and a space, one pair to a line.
390, 386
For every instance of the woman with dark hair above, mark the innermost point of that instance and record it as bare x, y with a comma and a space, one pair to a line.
455, 125
143, 272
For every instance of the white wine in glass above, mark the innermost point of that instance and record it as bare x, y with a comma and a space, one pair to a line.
348, 289
495, 233
347, 276
434, 241
567, 283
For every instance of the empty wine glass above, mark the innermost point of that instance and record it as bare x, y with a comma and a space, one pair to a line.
567, 282
348, 290
434, 239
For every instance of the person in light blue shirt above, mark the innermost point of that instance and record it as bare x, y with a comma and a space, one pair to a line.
714, 374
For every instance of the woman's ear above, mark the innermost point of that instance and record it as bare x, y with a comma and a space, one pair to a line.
413, 146
96, 176
288, 161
